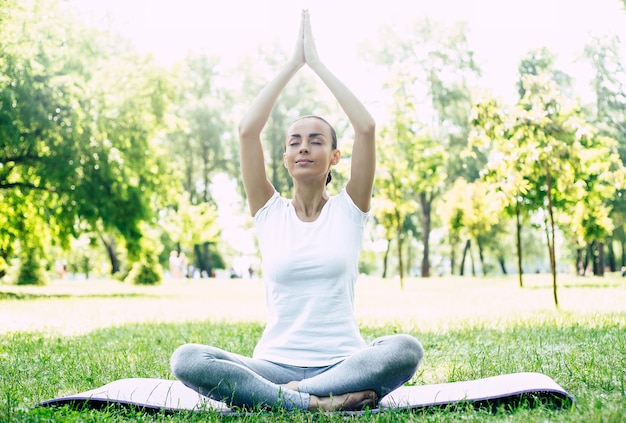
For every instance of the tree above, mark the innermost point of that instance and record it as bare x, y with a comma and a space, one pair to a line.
541, 62
548, 159
200, 138
201, 144
470, 210
392, 204
194, 228
431, 71
608, 115
78, 115
413, 170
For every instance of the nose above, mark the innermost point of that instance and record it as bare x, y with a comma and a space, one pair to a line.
304, 148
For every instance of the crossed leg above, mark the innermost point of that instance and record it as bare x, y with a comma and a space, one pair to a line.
363, 378
356, 382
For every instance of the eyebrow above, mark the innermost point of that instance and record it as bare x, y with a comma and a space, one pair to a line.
311, 135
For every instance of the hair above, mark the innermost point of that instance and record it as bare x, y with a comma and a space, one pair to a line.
333, 135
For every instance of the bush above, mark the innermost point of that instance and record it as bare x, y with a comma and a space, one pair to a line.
145, 272
31, 271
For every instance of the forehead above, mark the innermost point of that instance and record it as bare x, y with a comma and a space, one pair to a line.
309, 126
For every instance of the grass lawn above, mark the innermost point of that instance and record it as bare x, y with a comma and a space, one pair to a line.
72, 336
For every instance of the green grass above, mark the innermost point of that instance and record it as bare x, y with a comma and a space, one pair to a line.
470, 328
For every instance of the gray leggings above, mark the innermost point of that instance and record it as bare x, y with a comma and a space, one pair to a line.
384, 365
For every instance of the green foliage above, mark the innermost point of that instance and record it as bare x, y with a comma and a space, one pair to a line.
145, 272
78, 115
31, 271
545, 159
199, 136
470, 211
431, 69
97, 140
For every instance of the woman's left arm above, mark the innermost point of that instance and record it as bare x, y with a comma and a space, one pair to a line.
363, 167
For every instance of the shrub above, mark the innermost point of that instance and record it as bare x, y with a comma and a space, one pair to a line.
31, 271
145, 272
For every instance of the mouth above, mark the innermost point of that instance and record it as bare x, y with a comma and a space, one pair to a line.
303, 161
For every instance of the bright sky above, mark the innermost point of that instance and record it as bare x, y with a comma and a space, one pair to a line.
501, 31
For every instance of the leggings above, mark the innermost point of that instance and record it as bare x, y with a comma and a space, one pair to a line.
382, 366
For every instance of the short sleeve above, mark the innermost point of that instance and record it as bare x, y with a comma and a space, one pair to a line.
347, 205
263, 210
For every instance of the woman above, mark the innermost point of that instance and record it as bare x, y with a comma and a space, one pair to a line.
311, 355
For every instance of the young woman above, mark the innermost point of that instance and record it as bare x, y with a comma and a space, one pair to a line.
311, 355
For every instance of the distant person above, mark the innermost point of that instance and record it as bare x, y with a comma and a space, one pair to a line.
311, 355
174, 263
183, 266
61, 269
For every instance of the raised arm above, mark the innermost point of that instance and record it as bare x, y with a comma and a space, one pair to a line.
363, 166
258, 187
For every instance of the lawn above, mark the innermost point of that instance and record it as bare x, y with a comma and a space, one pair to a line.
72, 336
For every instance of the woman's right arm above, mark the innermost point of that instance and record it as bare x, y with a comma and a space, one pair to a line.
258, 187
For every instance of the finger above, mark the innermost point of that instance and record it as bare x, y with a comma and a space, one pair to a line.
307, 25
302, 25
308, 18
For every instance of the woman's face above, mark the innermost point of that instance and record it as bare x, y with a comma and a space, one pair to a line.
309, 153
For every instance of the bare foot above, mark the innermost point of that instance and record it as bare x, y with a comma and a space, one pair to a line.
345, 402
293, 385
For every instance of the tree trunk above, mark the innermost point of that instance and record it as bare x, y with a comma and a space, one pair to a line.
208, 267
400, 236
518, 244
203, 259
452, 258
481, 256
111, 249
594, 257
425, 205
598, 258
579, 262
465, 251
409, 258
386, 258
502, 264
472, 262
551, 237
612, 262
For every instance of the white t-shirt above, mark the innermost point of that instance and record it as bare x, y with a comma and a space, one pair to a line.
309, 270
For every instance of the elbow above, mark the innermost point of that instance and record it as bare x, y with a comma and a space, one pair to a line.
246, 130
243, 129
367, 128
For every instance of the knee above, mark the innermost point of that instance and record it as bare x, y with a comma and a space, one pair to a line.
183, 359
412, 351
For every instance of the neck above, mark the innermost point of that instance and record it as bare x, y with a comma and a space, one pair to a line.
309, 201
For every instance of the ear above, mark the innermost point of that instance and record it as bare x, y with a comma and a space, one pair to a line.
336, 156
285, 159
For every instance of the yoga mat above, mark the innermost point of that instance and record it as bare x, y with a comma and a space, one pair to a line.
171, 395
